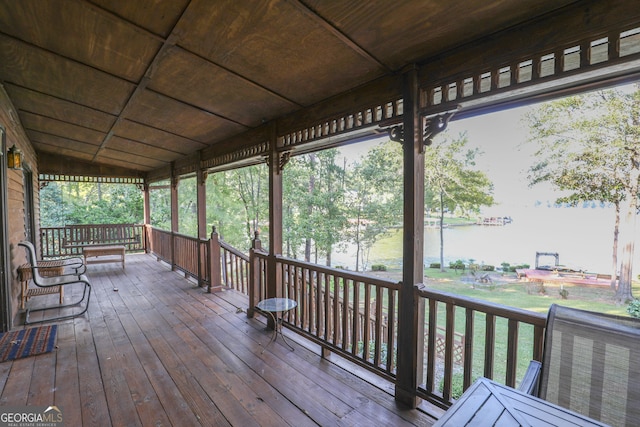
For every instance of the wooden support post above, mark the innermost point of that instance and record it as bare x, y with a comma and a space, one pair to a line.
215, 281
147, 217
174, 213
201, 200
410, 310
275, 216
201, 206
274, 276
254, 274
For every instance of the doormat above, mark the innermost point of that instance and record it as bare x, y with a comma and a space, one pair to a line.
27, 342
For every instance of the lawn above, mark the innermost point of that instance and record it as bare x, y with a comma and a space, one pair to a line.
508, 290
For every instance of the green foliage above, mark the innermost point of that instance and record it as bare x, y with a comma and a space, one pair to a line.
434, 265
452, 182
457, 384
487, 267
314, 212
188, 207
512, 268
238, 203
634, 308
372, 353
66, 203
587, 146
374, 197
160, 205
457, 265
378, 267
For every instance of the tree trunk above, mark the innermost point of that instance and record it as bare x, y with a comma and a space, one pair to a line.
441, 231
312, 187
614, 260
630, 209
358, 242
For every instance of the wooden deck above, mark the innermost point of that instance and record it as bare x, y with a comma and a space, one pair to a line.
161, 351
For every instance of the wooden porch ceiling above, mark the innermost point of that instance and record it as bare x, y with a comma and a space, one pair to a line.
139, 84
161, 351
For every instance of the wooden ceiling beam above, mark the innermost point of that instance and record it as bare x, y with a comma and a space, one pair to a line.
304, 9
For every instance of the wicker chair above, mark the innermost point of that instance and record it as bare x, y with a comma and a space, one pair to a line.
591, 365
72, 274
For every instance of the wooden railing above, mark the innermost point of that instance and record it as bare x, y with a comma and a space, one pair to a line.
190, 255
499, 342
62, 242
350, 314
235, 268
355, 316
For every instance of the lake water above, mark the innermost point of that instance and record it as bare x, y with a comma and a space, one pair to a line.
583, 237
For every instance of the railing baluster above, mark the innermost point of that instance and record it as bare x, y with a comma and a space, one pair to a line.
366, 327
469, 330
431, 345
345, 314
448, 350
489, 345
356, 320
512, 352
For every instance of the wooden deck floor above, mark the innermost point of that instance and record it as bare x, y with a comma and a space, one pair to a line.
160, 351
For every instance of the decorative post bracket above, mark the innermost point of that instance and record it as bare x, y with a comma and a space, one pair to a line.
283, 159
432, 126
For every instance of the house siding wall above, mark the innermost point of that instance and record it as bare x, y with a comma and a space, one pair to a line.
15, 134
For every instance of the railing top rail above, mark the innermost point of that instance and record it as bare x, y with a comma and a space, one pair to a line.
525, 316
99, 225
224, 245
171, 233
357, 277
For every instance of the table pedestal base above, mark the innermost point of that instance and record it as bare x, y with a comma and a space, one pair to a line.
277, 330
275, 308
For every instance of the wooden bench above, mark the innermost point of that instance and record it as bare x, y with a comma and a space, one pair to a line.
47, 269
103, 254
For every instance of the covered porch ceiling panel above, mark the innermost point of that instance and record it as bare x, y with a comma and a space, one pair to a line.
145, 83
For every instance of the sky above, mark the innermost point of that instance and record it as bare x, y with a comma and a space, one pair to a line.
505, 157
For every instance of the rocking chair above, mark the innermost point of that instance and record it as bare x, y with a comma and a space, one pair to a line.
73, 270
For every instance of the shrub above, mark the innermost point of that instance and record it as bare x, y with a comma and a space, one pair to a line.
487, 267
457, 383
634, 308
434, 265
378, 267
458, 265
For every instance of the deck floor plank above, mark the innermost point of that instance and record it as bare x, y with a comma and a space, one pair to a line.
67, 394
155, 349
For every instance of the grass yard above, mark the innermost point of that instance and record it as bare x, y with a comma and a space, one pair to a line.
508, 290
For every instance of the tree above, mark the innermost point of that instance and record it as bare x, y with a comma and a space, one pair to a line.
160, 204
314, 212
589, 146
237, 204
90, 203
452, 183
374, 197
